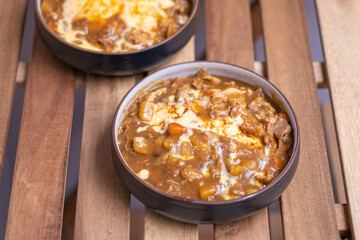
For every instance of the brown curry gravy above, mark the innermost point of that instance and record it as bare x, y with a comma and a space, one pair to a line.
205, 137
120, 26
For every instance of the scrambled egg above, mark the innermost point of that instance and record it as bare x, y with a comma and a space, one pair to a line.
187, 116
141, 14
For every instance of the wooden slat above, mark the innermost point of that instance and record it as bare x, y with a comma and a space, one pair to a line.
37, 197
229, 39
228, 32
11, 22
319, 72
343, 220
103, 204
156, 225
340, 30
333, 152
159, 227
307, 204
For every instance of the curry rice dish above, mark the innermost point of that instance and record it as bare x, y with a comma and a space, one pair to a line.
115, 25
205, 137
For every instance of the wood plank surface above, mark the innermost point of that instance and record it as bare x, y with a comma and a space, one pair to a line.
103, 204
37, 196
319, 72
307, 204
157, 226
229, 33
11, 22
340, 30
229, 39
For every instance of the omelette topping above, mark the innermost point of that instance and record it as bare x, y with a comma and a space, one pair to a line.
115, 25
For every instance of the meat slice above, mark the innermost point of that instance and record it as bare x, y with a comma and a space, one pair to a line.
235, 110
183, 93
197, 82
136, 36
282, 131
262, 109
253, 126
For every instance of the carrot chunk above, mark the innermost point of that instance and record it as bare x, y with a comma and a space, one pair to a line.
284, 116
278, 162
207, 191
176, 129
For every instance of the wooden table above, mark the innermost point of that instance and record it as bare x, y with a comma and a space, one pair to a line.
308, 210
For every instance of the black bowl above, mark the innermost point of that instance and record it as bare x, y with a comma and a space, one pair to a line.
199, 211
116, 63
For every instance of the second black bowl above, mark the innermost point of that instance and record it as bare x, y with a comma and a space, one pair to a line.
116, 63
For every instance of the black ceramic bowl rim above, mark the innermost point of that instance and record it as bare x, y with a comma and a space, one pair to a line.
292, 160
129, 53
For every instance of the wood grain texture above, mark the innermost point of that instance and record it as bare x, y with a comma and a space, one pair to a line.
307, 204
37, 196
319, 72
340, 30
228, 32
103, 204
229, 39
156, 225
187, 53
159, 227
11, 22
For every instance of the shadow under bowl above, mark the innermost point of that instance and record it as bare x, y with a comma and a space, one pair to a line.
199, 211
109, 63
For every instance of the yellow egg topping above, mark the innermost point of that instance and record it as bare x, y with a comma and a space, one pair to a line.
115, 25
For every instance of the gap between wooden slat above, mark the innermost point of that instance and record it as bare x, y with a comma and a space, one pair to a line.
136, 219
333, 152
275, 220
67, 232
257, 30
343, 220
80, 79
21, 73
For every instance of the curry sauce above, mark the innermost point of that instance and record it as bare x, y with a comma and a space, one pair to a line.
115, 25
205, 137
